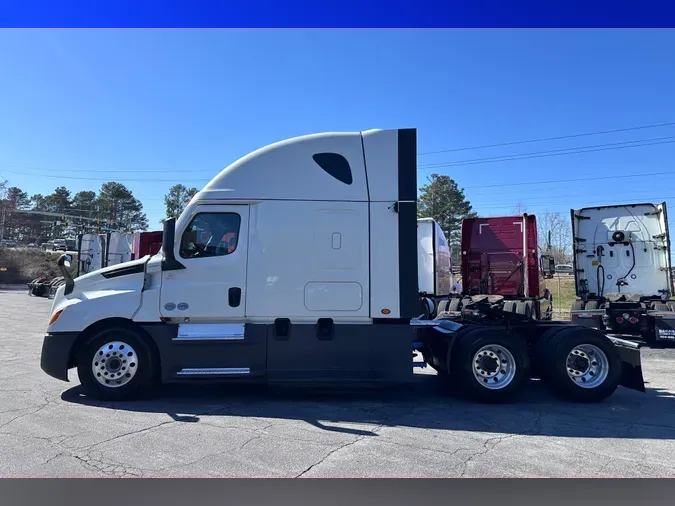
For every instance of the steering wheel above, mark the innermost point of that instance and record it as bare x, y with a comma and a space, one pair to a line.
199, 250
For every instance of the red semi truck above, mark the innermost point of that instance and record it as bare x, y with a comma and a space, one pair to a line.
147, 243
500, 263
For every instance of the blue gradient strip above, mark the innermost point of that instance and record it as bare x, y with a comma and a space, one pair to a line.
342, 14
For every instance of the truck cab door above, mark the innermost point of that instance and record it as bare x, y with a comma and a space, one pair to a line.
213, 248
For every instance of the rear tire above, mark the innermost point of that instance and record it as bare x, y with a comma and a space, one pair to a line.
489, 365
579, 364
116, 364
509, 306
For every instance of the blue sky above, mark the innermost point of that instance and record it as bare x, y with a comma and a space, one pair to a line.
83, 107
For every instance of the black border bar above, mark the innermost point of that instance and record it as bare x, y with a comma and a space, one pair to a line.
337, 492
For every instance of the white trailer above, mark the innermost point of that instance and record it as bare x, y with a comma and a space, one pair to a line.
299, 264
96, 251
622, 271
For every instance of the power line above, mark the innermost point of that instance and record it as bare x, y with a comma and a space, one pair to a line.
514, 157
561, 199
597, 202
544, 154
635, 143
533, 191
523, 156
136, 171
571, 136
58, 176
572, 180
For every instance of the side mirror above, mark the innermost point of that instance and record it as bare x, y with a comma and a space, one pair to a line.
63, 264
168, 241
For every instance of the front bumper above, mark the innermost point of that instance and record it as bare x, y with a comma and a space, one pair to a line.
56, 349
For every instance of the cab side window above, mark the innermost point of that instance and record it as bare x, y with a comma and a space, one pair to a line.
210, 234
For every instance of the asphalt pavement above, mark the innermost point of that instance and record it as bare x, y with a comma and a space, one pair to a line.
49, 429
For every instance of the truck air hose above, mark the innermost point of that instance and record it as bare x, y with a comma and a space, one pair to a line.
601, 288
631, 268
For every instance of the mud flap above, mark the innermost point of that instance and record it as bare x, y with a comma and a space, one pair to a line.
631, 374
664, 326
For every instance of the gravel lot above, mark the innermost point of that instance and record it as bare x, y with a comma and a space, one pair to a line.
48, 429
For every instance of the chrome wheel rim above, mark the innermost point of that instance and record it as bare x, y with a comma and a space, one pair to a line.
114, 364
494, 367
587, 366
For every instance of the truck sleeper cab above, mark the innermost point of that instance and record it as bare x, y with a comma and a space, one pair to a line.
298, 264
622, 271
500, 262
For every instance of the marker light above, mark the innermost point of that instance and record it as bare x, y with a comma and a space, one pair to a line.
55, 317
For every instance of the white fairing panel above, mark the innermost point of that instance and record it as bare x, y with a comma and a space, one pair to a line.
433, 258
91, 253
425, 256
288, 170
384, 260
638, 265
444, 278
120, 248
381, 154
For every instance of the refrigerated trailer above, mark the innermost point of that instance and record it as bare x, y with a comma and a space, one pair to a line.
299, 264
501, 262
622, 271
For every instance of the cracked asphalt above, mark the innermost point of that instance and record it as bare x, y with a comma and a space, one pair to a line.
48, 429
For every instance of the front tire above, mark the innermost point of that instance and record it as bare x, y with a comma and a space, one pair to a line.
488, 365
580, 365
117, 364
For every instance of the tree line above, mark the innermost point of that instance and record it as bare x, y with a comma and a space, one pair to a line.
38, 218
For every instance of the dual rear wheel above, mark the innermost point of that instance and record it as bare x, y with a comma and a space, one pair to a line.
490, 365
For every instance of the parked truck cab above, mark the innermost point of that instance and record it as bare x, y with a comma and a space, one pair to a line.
300, 263
500, 261
622, 270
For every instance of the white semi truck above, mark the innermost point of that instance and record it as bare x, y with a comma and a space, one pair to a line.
300, 264
622, 271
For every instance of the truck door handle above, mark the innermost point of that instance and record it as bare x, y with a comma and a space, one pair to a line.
234, 296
